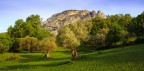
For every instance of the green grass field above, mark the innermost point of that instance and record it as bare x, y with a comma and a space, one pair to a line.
130, 58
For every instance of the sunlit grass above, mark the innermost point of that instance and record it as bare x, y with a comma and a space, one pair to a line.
129, 58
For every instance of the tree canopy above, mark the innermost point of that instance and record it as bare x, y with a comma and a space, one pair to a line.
31, 27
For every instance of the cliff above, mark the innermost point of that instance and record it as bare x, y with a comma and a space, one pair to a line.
59, 20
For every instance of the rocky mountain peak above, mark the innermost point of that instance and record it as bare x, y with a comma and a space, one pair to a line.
100, 14
59, 20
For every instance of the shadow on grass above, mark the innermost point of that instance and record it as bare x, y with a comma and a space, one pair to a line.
115, 56
63, 51
27, 66
37, 58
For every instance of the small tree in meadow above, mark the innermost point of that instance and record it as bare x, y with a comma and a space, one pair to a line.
67, 39
48, 44
28, 43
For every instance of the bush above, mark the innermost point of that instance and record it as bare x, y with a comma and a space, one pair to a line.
139, 40
129, 41
13, 57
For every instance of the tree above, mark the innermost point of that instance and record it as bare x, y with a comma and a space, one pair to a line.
34, 20
6, 41
31, 27
122, 20
81, 30
28, 43
99, 38
98, 32
137, 25
98, 23
42, 33
17, 31
114, 34
67, 39
48, 44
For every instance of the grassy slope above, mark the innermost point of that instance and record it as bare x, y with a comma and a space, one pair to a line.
129, 58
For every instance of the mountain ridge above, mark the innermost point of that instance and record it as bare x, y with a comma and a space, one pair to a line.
59, 20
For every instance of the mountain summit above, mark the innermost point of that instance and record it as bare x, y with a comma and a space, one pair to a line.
67, 17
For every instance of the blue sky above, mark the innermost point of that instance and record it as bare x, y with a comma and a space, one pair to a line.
11, 10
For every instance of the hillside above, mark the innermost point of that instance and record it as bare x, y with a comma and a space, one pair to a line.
59, 20
130, 58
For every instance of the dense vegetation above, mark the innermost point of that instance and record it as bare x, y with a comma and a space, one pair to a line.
99, 33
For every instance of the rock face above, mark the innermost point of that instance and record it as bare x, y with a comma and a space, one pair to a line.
67, 17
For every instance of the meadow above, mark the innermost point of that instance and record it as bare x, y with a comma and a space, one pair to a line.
129, 58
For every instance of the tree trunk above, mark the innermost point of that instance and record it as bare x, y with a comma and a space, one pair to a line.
1, 51
74, 53
31, 50
115, 44
47, 55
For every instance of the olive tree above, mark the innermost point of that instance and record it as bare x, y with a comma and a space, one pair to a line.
48, 44
81, 31
28, 43
67, 39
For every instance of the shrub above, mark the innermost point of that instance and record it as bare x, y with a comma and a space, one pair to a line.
13, 57
139, 40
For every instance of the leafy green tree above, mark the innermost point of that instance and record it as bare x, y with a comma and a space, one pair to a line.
126, 20
41, 34
17, 31
67, 39
48, 44
20, 29
30, 27
34, 20
98, 32
100, 38
6, 41
114, 35
28, 43
122, 20
137, 25
98, 23
81, 30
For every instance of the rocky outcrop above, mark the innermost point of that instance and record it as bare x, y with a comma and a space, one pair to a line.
67, 17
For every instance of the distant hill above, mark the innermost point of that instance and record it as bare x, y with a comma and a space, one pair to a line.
59, 20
